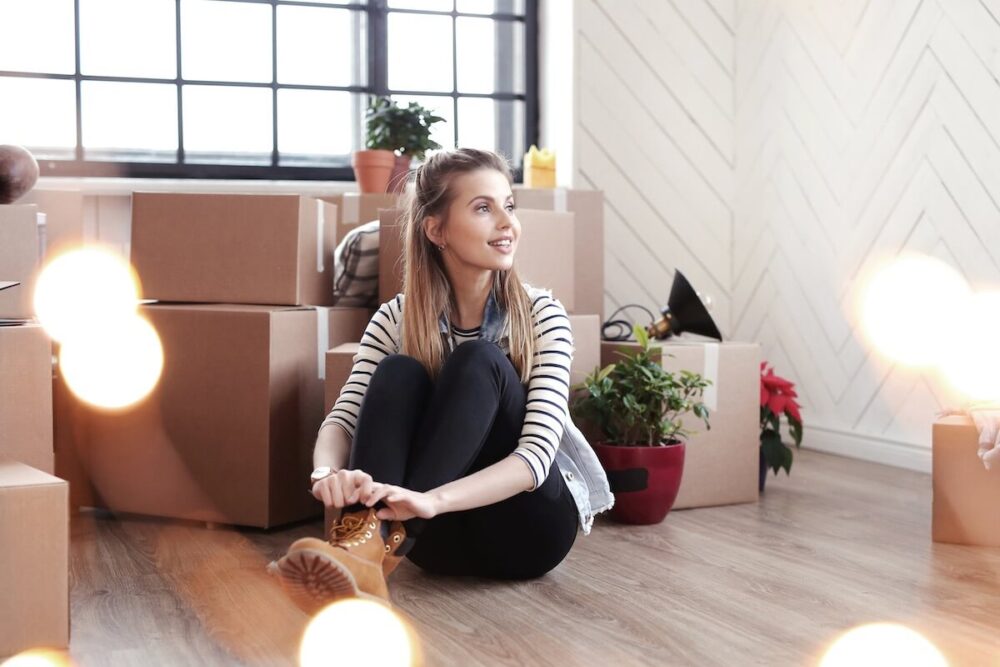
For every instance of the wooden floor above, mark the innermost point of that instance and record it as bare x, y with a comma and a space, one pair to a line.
839, 543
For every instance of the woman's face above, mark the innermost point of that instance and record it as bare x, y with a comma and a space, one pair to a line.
481, 230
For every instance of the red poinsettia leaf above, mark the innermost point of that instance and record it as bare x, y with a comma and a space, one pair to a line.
777, 403
793, 410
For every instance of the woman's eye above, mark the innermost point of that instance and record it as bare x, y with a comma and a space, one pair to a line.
482, 207
510, 207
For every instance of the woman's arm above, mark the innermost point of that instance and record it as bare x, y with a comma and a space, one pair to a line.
497, 482
490, 485
333, 447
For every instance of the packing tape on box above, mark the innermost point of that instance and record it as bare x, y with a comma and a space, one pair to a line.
352, 209
710, 397
559, 200
322, 340
320, 229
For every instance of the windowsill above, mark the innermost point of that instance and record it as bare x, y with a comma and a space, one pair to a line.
126, 186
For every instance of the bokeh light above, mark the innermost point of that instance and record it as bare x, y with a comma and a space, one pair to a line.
971, 362
39, 658
912, 307
879, 644
356, 631
85, 287
115, 365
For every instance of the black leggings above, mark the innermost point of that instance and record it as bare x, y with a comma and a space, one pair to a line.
420, 434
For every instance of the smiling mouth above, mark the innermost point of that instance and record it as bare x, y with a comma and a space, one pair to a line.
501, 244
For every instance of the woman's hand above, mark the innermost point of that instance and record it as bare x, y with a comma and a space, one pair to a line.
401, 504
344, 487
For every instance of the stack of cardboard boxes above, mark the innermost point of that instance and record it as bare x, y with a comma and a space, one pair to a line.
34, 522
243, 285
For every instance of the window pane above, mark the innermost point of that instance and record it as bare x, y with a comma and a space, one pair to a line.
420, 52
137, 120
37, 36
495, 125
490, 56
426, 5
226, 41
317, 123
444, 131
226, 123
128, 38
490, 6
318, 46
44, 118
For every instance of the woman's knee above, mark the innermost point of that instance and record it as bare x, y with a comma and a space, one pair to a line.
476, 350
398, 366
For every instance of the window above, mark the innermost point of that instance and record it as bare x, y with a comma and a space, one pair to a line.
256, 88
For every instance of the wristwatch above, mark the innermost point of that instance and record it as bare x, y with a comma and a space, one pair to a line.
320, 473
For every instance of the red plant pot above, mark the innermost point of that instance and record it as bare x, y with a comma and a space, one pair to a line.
645, 480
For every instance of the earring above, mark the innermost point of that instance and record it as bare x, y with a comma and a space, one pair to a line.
441, 247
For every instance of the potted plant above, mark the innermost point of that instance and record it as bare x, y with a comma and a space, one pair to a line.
404, 132
777, 399
637, 406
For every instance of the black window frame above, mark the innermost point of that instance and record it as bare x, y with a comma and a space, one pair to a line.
377, 12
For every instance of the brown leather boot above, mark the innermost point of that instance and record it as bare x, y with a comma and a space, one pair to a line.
316, 573
397, 533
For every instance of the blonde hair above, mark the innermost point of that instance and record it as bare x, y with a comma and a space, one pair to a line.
426, 288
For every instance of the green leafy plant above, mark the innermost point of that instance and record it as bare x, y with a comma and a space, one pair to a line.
636, 401
403, 130
777, 398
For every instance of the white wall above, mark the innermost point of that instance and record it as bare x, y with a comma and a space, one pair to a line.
773, 151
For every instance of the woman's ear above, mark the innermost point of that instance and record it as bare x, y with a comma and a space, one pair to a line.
432, 228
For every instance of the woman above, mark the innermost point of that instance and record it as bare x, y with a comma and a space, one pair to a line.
442, 444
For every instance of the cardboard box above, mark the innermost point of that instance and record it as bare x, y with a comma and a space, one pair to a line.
588, 209
966, 494
20, 256
238, 248
587, 340
26, 396
227, 435
356, 208
546, 255
34, 560
721, 465
66, 225
390, 254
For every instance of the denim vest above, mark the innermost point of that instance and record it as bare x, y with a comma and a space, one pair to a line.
575, 458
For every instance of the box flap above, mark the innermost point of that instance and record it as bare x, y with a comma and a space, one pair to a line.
15, 474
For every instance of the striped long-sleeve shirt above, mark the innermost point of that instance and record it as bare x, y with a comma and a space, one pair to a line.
548, 383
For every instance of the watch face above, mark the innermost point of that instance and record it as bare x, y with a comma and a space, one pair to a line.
320, 473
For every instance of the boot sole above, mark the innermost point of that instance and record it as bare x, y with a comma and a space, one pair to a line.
313, 580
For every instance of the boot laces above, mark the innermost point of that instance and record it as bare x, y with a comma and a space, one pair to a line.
349, 528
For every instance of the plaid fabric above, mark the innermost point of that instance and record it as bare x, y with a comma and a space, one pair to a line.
355, 267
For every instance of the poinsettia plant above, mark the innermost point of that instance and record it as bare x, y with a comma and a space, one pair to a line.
777, 400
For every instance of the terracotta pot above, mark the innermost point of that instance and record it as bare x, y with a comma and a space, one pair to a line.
18, 173
645, 480
400, 174
372, 169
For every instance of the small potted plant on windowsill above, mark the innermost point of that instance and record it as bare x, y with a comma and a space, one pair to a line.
777, 399
637, 406
395, 136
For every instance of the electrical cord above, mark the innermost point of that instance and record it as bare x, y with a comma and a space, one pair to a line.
622, 329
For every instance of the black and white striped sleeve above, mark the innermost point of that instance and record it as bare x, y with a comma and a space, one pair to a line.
381, 338
548, 387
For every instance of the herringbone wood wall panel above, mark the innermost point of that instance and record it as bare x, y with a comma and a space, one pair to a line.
778, 150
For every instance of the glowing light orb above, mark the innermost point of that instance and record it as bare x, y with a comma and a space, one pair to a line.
910, 308
113, 366
83, 287
971, 362
882, 644
38, 658
355, 631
